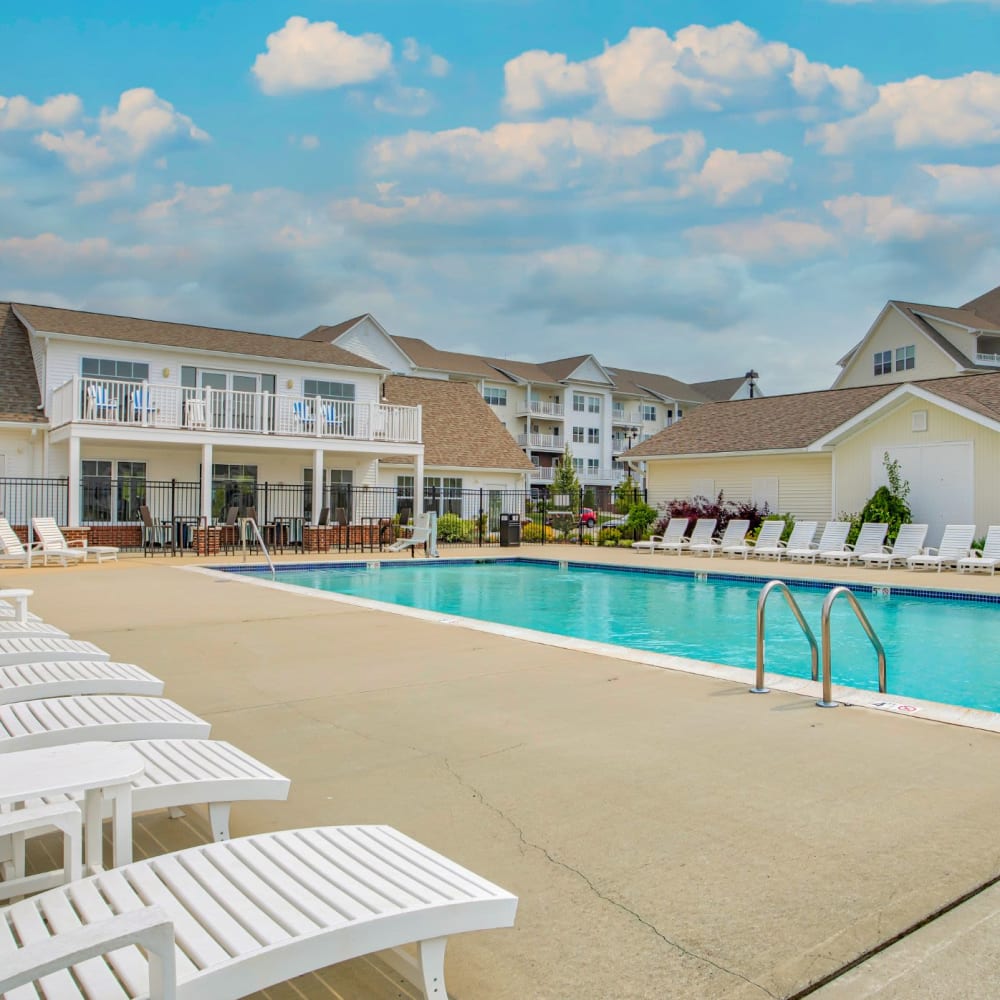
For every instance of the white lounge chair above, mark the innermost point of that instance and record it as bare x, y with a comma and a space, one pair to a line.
870, 539
767, 544
420, 535
14, 651
14, 606
54, 544
13, 629
802, 535
833, 539
956, 543
731, 541
702, 532
27, 681
48, 722
12, 550
248, 914
669, 540
909, 542
988, 559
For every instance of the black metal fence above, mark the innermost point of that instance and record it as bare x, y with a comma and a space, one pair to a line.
464, 517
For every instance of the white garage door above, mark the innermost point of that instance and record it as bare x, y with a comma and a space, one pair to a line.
941, 482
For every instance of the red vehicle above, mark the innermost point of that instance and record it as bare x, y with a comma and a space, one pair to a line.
587, 516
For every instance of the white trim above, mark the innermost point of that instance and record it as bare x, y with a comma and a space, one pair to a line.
24, 424
715, 454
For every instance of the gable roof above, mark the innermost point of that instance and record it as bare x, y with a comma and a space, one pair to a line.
651, 384
328, 334
459, 428
19, 393
129, 329
424, 356
721, 390
794, 422
986, 305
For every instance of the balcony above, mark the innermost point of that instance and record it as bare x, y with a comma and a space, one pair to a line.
622, 417
543, 474
988, 359
109, 402
541, 442
536, 408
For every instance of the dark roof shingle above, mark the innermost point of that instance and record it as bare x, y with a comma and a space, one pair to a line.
19, 395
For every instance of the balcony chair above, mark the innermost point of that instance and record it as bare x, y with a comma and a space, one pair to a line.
302, 414
143, 409
101, 405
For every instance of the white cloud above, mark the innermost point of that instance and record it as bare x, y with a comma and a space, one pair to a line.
727, 175
50, 251
409, 101
54, 112
437, 65
414, 52
769, 239
317, 55
516, 151
650, 74
81, 152
922, 111
883, 219
965, 184
200, 201
105, 190
430, 207
309, 142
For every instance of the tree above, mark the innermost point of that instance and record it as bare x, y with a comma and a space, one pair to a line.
564, 482
627, 494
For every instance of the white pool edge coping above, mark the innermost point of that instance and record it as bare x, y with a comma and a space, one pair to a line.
955, 715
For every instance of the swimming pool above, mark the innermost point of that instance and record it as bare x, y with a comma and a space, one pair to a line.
944, 649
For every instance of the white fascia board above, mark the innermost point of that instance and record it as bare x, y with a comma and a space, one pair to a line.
188, 351
590, 357
27, 425
714, 454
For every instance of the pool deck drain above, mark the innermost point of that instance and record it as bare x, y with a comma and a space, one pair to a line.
668, 834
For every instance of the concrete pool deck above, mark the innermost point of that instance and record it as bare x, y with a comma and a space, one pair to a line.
668, 834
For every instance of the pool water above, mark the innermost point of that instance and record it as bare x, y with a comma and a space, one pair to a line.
945, 650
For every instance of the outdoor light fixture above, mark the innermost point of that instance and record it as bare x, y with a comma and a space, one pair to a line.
166, 373
289, 384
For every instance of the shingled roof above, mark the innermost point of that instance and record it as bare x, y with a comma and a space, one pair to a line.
19, 395
459, 428
203, 338
986, 305
788, 423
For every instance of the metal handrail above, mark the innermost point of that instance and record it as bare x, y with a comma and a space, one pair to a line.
827, 702
260, 542
768, 588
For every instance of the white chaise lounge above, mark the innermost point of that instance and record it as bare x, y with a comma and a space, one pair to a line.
833, 539
669, 541
909, 542
248, 914
956, 543
12, 550
767, 544
43, 650
731, 542
870, 539
14, 606
60, 678
54, 545
987, 560
13, 629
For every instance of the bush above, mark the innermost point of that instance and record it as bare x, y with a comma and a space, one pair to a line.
608, 536
721, 509
589, 498
537, 532
640, 517
888, 503
452, 528
627, 495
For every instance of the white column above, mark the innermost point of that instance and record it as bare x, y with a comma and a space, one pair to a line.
73, 514
418, 483
206, 483
317, 484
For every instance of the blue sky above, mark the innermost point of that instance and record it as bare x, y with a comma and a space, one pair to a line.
689, 187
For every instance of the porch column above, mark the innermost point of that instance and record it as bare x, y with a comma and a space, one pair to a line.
73, 513
317, 499
206, 483
418, 483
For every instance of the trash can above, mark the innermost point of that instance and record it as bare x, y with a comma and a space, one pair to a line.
510, 530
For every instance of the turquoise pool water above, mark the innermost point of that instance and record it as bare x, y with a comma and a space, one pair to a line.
945, 650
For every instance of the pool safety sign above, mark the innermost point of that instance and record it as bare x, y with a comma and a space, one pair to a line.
895, 706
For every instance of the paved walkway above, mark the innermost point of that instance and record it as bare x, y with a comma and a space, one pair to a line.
669, 835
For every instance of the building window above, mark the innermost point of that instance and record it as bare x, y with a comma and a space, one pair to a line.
593, 404
328, 390
593, 466
593, 435
648, 412
233, 486
578, 435
495, 396
131, 490
95, 491
906, 358
883, 362
618, 411
125, 371
579, 403
578, 465
443, 495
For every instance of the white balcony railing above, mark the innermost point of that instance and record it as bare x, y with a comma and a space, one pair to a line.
988, 359
539, 409
139, 404
551, 442
622, 416
545, 474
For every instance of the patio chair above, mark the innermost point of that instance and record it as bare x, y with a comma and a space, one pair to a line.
341, 517
55, 545
302, 415
331, 420
833, 539
731, 541
101, 405
956, 543
155, 531
988, 558
909, 542
143, 408
14, 606
672, 533
58, 679
12, 550
42, 650
869, 540
229, 535
802, 534
767, 544
324, 517
195, 413
29, 630
419, 535
249, 914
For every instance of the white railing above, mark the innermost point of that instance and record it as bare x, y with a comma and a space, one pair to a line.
543, 474
552, 441
622, 416
988, 359
539, 409
139, 404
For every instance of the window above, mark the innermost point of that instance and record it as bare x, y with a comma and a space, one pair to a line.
95, 490
443, 495
131, 490
883, 362
593, 435
648, 412
906, 358
593, 404
578, 435
593, 466
578, 465
579, 403
618, 411
328, 390
126, 371
233, 486
495, 396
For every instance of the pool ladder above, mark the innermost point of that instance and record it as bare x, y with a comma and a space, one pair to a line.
826, 701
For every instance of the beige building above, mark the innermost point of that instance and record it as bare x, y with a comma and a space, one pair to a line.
819, 454
909, 341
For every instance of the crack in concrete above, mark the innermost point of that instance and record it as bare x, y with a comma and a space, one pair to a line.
597, 892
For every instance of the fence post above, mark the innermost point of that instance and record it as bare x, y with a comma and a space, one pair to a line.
263, 520
479, 520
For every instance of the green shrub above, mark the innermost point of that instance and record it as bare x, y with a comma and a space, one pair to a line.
452, 528
888, 503
537, 532
640, 517
608, 536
